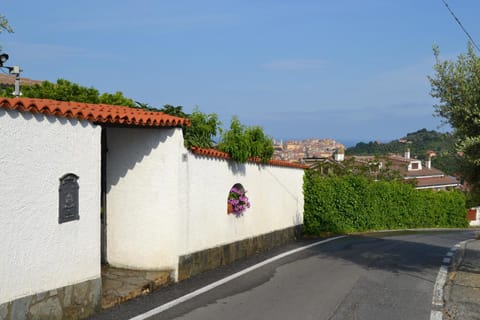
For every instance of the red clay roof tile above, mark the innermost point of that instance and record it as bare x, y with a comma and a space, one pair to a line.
213, 153
437, 181
210, 153
98, 113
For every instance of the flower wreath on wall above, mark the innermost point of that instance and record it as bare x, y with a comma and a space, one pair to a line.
237, 200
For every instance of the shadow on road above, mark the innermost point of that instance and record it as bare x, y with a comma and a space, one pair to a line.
398, 252
412, 253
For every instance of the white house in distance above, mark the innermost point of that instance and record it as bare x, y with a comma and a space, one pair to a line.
66, 165
425, 176
422, 172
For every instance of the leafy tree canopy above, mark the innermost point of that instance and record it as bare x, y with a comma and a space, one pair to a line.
456, 85
65, 90
203, 129
243, 142
176, 111
371, 170
419, 142
4, 26
240, 141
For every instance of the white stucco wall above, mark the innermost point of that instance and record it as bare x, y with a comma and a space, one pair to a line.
38, 253
164, 202
143, 197
275, 194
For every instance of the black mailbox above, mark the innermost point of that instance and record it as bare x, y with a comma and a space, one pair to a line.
68, 195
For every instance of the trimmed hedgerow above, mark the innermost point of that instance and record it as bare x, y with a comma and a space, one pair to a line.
356, 203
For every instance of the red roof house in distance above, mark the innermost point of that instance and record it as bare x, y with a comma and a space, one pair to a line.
422, 172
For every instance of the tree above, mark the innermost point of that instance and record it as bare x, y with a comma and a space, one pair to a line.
203, 129
117, 99
373, 169
174, 111
419, 143
260, 145
234, 142
4, 26
65, 90
243, 143
456, 84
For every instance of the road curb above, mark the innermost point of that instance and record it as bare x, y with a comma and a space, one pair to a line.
461, 291
457, 259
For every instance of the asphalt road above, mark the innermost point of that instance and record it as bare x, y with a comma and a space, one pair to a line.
380, 276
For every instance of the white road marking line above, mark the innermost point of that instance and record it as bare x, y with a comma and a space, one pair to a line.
438, 287
436, 315
441, 280
211, 286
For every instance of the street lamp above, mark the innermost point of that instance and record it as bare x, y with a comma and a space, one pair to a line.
14, 70
3, 59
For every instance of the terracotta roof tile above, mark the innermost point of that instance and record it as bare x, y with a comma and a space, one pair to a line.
98, 113
437, 181
281, 163
210, 153
425, 172
213, 153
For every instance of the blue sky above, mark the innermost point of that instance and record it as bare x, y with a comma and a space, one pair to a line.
344, 69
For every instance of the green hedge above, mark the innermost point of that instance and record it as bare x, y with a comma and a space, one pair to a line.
355, 203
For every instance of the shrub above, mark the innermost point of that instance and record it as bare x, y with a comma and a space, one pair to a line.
356, 203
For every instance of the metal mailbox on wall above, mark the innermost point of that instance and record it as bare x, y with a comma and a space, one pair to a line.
68, 198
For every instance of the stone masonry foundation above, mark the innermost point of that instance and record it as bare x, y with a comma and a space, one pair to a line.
200, 261
76, 301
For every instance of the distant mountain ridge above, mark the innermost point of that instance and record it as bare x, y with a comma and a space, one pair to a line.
419, 142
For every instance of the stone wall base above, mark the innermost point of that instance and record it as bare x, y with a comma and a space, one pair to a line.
76, 301
200, 261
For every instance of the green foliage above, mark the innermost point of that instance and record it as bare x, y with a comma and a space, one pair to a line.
419, 143
65, 90
456, 85
203, 129
175, 111
4, 26
260, 145
234, 141
371, 170
117, 99
145, 106
243, 143
355, 203
240, 141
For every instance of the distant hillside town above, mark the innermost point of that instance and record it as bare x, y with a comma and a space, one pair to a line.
322, 153
298, 150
